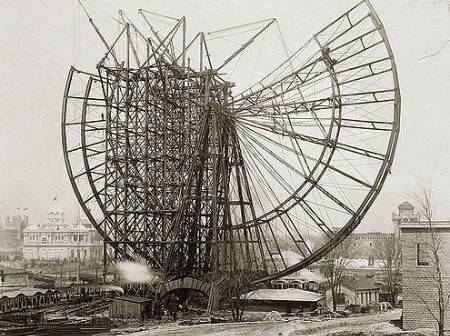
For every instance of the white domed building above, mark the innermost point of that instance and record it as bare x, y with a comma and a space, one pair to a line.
56, 239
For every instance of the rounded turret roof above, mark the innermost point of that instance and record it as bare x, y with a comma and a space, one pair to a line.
406, 206
55, 209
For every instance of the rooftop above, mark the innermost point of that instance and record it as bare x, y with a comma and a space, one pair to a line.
134, 299
364, 263
74, 228
305, 275
436, 223
364, 284
371, 233
27, 292
288, 294
11, 270
406, 206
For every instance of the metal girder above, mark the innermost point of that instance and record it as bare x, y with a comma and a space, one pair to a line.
170, 165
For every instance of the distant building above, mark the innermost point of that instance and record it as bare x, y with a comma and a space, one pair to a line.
58, 240
365, 268
23, 298
362, 291
289, 300
13, 277
366, 242
358, 269
366, 291
419, 286
11, 237
303, 279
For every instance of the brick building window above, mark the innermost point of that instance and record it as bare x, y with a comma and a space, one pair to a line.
423, 258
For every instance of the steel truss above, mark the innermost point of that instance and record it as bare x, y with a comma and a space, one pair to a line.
171, 166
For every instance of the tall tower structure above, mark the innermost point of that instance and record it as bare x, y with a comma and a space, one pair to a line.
173, 163
406, 213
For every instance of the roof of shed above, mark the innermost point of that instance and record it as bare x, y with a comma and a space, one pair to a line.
11, 270
27, 291
133, 299
288, 294
364, 284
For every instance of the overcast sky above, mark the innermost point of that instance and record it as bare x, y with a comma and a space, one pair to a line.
40, 39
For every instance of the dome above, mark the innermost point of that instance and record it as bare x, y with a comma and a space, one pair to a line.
84, 220
406, 206
55, 209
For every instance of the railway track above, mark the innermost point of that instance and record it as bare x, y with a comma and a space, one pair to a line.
65, 319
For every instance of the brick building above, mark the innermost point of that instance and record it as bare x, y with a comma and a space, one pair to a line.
419, 285
366, 242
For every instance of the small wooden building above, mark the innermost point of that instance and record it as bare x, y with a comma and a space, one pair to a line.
359, 291
130, 307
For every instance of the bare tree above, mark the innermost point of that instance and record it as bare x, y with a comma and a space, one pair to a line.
389, 253
334, 265
432, 242
233, 291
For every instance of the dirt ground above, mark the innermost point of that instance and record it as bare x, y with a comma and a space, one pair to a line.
371, 325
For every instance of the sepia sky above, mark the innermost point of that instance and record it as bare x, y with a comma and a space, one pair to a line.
41, 39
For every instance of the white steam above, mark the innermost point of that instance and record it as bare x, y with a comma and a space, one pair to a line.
135, 272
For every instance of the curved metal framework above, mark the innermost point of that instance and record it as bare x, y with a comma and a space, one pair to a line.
169, 164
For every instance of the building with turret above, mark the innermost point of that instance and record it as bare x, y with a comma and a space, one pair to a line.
420, 293
405, 214
56, 239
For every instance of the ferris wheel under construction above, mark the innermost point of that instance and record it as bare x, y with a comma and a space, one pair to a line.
172, 163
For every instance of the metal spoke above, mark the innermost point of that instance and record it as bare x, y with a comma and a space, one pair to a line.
169, 163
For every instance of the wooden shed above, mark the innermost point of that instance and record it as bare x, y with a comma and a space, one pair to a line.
130, 307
